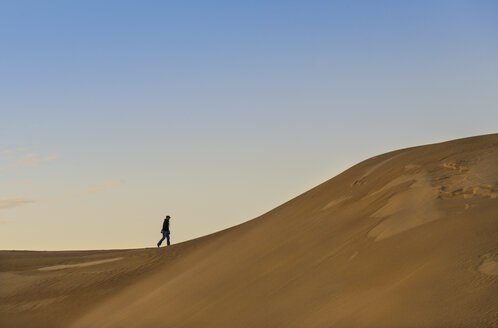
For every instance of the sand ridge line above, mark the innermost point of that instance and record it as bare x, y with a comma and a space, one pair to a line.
84, 264
408, 209
335, 202
372, 169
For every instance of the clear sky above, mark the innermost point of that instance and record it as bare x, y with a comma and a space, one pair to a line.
116, 113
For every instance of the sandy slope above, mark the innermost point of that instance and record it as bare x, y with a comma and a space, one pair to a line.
404, 239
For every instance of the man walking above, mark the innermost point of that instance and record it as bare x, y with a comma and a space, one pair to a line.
165, 231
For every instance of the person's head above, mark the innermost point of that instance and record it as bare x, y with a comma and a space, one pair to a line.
167, 217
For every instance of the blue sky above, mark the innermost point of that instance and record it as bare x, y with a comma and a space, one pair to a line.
114, 113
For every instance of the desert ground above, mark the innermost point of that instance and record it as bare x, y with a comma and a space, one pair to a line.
404, 239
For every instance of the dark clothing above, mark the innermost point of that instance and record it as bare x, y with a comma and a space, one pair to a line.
166, 225
165, 233
165, 236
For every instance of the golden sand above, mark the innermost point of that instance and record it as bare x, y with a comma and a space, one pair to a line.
404, 239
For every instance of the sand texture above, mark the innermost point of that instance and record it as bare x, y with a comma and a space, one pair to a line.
404, 239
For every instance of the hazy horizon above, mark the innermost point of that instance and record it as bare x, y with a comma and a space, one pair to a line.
115, 114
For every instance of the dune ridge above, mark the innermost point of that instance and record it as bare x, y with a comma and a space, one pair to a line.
404, 239
78, 265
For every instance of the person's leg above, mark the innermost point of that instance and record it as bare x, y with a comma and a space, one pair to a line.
161, 241
167, 236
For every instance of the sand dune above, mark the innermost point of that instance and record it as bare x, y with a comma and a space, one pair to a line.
404, 239
78, 265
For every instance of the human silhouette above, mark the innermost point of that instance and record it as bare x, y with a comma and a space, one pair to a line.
165, 231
